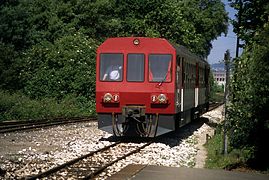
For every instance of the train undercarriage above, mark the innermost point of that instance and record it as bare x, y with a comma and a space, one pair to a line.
134, 122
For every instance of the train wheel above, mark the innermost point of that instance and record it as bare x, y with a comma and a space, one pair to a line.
148, 126
119, 129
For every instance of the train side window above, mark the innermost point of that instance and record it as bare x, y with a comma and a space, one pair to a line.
202, 78
193, 75
187, 75
160, 67
206, 76
178, 63
196, 75
183, 72
135, 67
177, 72
190, 75
191, 83
111, 67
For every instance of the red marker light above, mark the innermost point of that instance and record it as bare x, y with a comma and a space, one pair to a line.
116, 97
153, 98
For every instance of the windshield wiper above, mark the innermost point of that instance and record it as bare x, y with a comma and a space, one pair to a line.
164, 78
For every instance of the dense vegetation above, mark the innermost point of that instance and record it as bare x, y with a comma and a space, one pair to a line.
48, 47
248, 117
248, 113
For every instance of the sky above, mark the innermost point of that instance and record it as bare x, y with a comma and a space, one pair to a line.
223, 43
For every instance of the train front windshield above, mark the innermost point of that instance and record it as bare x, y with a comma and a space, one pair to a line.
135, 67
112, 67
160, 67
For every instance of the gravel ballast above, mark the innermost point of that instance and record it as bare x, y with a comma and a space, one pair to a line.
27, 153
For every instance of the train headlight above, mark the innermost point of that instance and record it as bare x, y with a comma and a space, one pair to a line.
136, 42
107, 97
162, 98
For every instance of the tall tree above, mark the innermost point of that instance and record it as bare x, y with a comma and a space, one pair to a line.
250, 103
193, 23
251, 16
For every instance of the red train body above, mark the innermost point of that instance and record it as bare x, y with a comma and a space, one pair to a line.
148, 87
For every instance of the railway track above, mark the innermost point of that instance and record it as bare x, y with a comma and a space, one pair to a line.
214, 105
12, 126
91, 165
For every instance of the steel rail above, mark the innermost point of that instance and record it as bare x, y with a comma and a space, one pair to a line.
26, 121
62, 166
95, 172
101, 169
214, 106
31, 125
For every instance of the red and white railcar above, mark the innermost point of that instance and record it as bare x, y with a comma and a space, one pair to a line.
147, 86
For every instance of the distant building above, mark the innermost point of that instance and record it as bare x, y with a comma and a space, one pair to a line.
219, 76
219, 73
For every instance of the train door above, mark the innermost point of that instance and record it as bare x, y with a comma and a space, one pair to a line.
183, 74
207, 71
196, 85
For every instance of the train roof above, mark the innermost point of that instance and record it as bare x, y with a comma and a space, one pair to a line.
183, 50
127, 43
156, 44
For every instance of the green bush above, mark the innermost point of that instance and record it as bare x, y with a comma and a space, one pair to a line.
248, 112
18, 106
65, 67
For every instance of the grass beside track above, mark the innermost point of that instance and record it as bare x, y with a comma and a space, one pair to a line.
215, 158
236, 159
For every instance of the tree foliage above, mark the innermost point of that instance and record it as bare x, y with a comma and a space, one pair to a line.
48, 47
65, 67
193, 23
251, 16
248, 113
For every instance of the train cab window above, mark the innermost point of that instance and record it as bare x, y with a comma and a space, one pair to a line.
135, 67
160, 67
111, 67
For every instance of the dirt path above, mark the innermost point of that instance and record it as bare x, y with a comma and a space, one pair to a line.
214, 116
202, 152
